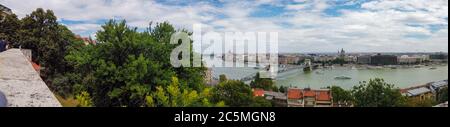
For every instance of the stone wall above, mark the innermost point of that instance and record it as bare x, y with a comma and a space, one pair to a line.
21, 84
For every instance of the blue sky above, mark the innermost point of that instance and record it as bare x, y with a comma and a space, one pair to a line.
303, 25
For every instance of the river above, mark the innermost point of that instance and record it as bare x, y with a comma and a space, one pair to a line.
400, 77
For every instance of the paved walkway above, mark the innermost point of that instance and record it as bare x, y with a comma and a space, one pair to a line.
21, 84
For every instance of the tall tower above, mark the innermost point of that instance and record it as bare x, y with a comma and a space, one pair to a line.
342, 53
308, 66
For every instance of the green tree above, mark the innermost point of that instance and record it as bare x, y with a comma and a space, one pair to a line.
84, 99
58, 76
222, 78
442, 95
282, 89
260, 102
9, 27
377, 93
415, 102
174, 96
237, 94
233, 93
127, 67
263, 83
192, 76
48, 40
340, 95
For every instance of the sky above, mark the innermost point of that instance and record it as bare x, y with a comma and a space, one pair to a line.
302, 25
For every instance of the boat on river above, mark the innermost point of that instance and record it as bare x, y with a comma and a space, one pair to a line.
342, 78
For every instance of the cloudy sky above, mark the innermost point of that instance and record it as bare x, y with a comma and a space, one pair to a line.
303, 25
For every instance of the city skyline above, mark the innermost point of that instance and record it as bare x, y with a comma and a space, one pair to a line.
304, 26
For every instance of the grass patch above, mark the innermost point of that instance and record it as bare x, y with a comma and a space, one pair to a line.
67, 102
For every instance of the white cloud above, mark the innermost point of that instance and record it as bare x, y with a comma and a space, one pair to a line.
80, 28
378, 26
316, 6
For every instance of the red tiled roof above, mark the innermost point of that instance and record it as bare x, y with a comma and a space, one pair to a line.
295, 94
36, 67
403, 90
86, 40
258, 92
309, 93
323, 96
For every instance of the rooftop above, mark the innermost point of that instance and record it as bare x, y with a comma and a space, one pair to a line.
5, 9
320, 94
258, 92
86, 40
418, 91
294, 93
309, 93
276, 95
323, 96
439, 84
21, 84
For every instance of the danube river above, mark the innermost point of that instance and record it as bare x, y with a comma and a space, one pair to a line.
400, 77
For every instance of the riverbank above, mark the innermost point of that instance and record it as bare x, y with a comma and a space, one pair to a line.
366, 66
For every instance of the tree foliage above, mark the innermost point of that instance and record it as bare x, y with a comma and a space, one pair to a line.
443, 95
174, 96
84, 99
237, 94
282, 89
415, 102
49, 42
263, 83
9, 28
377, 93
340, 95
233, 93
222, 78
127, 67
260, 102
